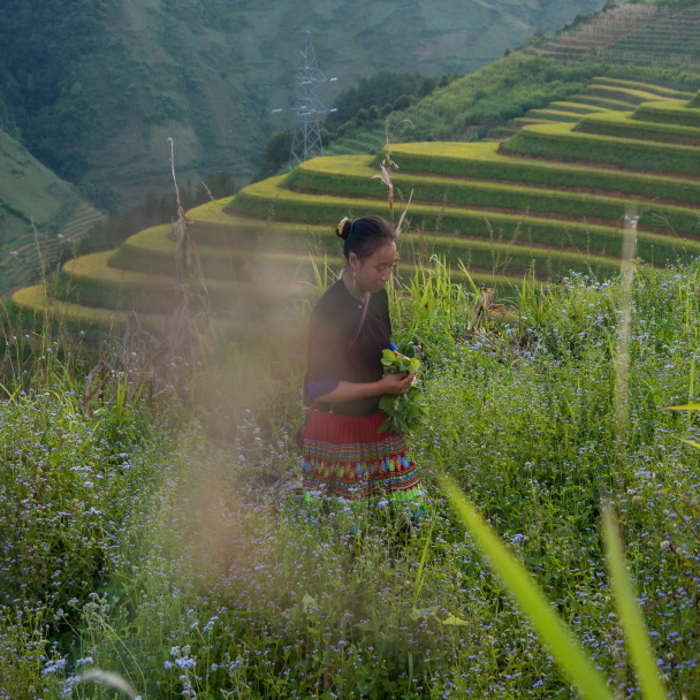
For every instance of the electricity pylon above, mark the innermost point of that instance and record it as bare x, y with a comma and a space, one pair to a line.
306, 142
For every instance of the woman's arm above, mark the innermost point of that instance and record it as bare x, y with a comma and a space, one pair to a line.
351, 391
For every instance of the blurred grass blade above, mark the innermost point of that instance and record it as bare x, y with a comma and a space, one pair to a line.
403, 214
631, 618
692, 443
11, 395
473, 284
559, 640
110, 679
686, 407
420, 574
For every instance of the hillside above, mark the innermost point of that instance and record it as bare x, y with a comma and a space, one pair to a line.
95, 88
39, 213
553, 198
545, 196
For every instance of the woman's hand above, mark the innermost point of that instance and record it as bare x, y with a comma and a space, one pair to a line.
397, 383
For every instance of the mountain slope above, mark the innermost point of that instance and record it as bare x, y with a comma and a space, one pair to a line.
96, 87
39, 213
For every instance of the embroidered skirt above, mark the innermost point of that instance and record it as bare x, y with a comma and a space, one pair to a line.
345, 456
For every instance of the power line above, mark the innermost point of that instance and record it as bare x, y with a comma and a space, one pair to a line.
306, 142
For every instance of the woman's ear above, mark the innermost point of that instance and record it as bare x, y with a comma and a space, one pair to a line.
353, 261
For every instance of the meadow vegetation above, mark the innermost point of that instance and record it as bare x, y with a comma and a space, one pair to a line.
150, 504
160, 534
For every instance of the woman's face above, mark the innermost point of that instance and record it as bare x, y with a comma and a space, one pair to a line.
372, 273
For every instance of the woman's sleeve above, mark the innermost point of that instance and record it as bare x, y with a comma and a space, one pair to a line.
325, 357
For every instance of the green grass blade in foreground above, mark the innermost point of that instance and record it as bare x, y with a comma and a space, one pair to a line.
636, 635
560, 641
11, 395
420, 574
686, 407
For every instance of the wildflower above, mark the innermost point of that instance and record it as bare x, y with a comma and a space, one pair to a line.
52, 666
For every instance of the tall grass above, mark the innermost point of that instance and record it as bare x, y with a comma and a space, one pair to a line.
191, 568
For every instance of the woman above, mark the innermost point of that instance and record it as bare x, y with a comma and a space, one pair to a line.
343, 454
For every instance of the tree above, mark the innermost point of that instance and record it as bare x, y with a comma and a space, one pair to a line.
276, 154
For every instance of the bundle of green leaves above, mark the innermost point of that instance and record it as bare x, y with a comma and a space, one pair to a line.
404, 411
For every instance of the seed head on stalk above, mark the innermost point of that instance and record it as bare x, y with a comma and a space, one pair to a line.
386, 166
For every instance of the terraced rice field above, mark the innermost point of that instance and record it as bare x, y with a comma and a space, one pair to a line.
604, 95
21, 264
634, 33
551, 199
368, 142
672, 37
605, 30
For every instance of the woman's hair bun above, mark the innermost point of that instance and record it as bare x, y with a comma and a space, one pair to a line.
342, 230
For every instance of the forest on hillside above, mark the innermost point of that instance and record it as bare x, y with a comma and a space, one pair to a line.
93, 88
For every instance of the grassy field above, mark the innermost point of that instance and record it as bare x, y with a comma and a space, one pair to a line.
167, 543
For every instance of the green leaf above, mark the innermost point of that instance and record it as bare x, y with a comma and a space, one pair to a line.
453, 620
389, 357
403, 411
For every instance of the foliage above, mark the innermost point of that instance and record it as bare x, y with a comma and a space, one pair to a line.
500, 91
275, 155
501, 228
34, 303
379, 94
668, 113
581, 237
200, 571
404, 411
343, 177
39, 63
94, 88
633, 126
92, 282
640, 88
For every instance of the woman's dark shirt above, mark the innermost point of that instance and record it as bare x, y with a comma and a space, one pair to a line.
332, 325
